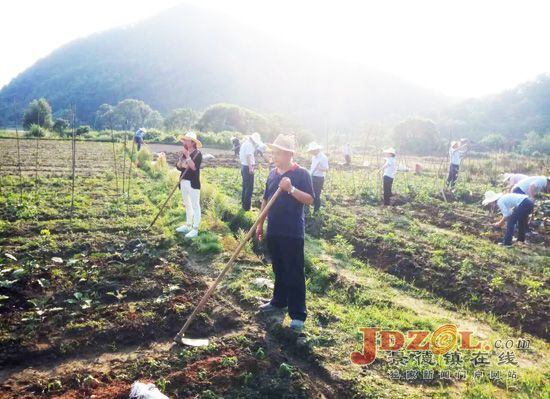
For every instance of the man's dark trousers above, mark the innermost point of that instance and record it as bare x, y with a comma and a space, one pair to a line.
287, 258
318, 182
248, 187
519, 216
453, 175
388, 182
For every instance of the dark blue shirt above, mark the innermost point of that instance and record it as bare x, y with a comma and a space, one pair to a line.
286, 216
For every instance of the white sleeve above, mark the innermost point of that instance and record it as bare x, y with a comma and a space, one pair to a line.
324, 164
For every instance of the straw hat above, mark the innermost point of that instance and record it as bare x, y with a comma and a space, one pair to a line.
191, 136
390, 150
255, 137
507, 176
490, 196
284, 142
313, 146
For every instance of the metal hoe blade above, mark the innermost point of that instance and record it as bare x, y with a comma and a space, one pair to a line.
192, 341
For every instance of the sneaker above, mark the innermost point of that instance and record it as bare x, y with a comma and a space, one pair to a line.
192, 234
183, 229
268, 307
501, 244
297, 325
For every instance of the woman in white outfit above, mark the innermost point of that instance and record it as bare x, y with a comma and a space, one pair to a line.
189, 164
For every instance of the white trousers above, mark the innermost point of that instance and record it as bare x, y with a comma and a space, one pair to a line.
192, 202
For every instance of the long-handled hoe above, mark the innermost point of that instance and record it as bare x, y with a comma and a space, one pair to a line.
180, 337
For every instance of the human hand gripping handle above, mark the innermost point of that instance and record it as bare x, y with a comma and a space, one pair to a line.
284, 185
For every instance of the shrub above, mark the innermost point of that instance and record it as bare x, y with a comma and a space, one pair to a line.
83, 130
36, 131
169, 140
60, 125
152, 135
144, 158
160, 166
535, 144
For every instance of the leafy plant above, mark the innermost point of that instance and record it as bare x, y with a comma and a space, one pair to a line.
84, 301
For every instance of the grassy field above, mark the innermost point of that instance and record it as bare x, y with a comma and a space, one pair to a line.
90, 298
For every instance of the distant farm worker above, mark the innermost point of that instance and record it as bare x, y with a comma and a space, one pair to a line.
511, 179
236, 143
248, 166
456, 152
318, 170
532, 186
347, 153
389, 169
260, 151
138, 137
286, 229
189, 164
515, 209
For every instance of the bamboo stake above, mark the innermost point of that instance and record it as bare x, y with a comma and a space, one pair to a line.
124, 162
130, 175
114, 159
18, 155
73, 161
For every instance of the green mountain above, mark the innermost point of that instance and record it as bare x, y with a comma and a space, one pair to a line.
511, 113
191, 57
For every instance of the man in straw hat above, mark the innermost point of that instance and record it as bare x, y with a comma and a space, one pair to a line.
319, 167
248, 164
515, 209
189, 164
457, 150
285, 230
389, 169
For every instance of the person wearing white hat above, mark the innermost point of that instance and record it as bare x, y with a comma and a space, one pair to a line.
318, 170
389, 169
456, 151
189, 164
515, 209
248, 165
532, 186
286, 230
511, 179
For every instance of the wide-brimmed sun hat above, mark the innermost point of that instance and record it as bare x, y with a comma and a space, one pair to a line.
313, 146
256, 138
191, 136
284, 142
490, 196
390, 150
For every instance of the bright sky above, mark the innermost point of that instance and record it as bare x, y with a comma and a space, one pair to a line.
461, 48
